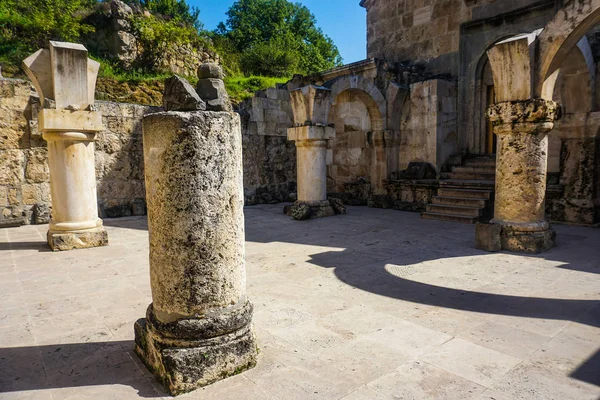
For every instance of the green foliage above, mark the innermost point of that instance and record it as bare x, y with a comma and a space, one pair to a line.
261, 31
177, 10
155, 35
273, 58
26, 25
241, 88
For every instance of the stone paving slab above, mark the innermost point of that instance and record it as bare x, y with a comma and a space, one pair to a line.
375, 304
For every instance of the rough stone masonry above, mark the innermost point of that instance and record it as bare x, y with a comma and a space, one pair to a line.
198, 328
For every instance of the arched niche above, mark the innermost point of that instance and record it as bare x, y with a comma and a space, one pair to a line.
355, 115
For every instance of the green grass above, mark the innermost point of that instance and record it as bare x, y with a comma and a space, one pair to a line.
241, 88
109, 71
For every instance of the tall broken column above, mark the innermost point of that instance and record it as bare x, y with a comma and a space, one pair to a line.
311, 132
522, 124
198, 328
65, 80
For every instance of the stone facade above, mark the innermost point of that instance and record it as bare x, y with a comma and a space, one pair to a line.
269, 159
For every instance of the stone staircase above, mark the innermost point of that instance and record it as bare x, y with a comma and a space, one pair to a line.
466, 193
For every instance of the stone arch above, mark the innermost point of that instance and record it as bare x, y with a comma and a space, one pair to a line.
557, 39
476, 140
367, 92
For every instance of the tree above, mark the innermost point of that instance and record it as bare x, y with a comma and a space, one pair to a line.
278, 37
34, 22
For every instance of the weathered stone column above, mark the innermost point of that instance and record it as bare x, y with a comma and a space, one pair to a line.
522, 128
198, 328
521, 124
311, 133
66, 75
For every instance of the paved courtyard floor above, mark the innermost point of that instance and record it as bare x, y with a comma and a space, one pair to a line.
373, 305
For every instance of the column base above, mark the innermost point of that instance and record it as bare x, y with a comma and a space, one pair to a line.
188, 354
527, 241
303, 210
64, 241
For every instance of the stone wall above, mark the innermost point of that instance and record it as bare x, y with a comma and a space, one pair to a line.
269, 158
420, 31
24, 179
429, 128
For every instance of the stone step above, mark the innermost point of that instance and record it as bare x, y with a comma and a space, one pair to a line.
484, 184
485, 170
464, 193
454, 210
470, 176
480, 162
449, 217
459, 201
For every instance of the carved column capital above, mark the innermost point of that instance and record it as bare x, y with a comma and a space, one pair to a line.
535, 116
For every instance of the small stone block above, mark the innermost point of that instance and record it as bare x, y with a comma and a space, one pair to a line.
179, 95
213, 91
487, 237
64, 241
210, 70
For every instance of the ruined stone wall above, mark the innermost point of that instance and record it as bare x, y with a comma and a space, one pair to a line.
269, 159
24, 179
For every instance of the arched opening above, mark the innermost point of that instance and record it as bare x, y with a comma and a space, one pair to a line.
567, 73
355, 116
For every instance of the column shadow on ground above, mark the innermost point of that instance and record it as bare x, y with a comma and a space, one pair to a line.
72, 365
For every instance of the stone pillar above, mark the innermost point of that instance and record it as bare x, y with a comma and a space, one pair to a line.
311, 110
521, 124
522, 129
65, 75
198, 328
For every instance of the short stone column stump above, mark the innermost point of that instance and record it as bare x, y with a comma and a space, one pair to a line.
198, 328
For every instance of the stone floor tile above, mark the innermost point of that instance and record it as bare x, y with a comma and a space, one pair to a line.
17, 336
13, 316
27, 395
493, 395
533, 380
408, 338
312, 337
314, 381
448, 321
476, 363
364, 360
356, 321
505, 339
366, 393
421, 381
235, 388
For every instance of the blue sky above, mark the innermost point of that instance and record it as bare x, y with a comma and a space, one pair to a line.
342, 20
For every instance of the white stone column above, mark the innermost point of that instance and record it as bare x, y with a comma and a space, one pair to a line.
311, 105
311, 159
66, 78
